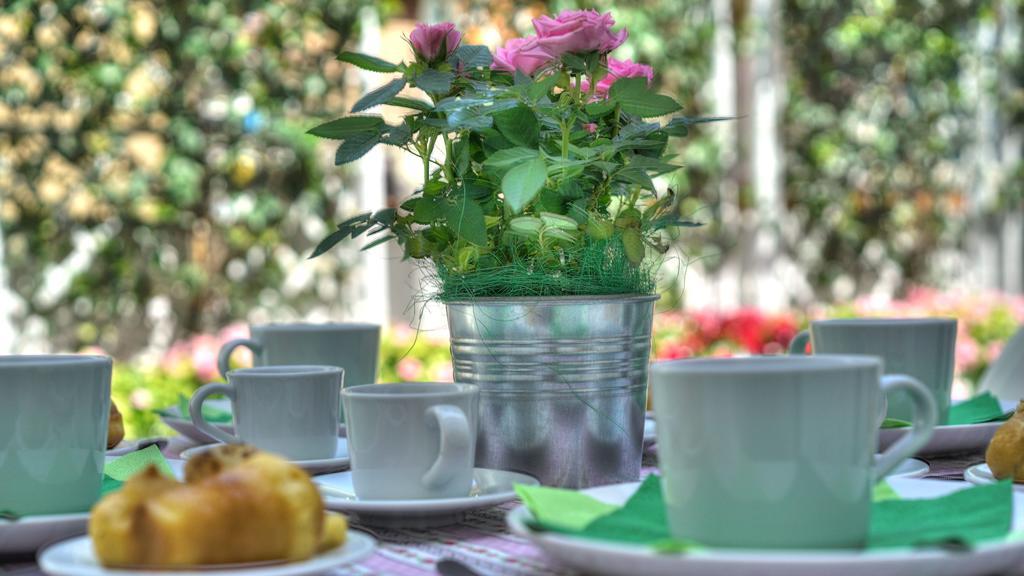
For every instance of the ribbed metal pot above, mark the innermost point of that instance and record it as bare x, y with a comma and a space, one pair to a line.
563, 383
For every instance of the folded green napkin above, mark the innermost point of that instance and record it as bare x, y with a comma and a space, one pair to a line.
982, 408
210, 413
116, 472
965, 517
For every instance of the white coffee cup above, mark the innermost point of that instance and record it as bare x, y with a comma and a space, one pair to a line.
289, 410
411, 440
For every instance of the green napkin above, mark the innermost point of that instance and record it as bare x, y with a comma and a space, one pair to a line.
965, 517
116, 472
210, 413
982, 408
563, 509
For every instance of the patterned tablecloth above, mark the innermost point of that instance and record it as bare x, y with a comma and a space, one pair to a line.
482, 539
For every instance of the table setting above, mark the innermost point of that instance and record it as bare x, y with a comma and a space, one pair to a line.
845, 456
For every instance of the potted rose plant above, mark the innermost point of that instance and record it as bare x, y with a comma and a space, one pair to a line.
541, 219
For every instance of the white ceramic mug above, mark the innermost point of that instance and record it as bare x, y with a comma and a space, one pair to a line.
411, 440
53, 432
288, 410
779, 451
352, 346
924, 348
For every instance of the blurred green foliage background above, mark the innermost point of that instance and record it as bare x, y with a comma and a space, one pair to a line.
153, 161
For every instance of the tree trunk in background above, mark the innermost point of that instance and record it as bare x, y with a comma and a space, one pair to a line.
995, 233
370, 279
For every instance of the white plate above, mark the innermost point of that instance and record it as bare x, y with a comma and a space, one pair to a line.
338, 462
909, 468
490, 488
75, 557
596, 557
949, 439
30, 533
182, 424
981, 474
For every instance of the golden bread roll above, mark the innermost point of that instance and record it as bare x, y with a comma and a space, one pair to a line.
1005, 453
115, 427
238, 505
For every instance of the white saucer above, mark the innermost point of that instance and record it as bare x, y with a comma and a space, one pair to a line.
597, 557
126, 446
75, 557
182, 424
490, 487
323, 466
981, 474
909, 468
950, 439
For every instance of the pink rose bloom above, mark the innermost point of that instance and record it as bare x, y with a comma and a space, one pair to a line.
578, 31
429, 41
523, 54
620, 69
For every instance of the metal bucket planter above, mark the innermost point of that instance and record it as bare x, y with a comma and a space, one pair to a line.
563, 383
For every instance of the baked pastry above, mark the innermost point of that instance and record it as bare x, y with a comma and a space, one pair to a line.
237, 505
115, 427
1005, 453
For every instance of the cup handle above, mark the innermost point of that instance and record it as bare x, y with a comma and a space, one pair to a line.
798, 345
224, 357
195, 410
925, 416
455, 443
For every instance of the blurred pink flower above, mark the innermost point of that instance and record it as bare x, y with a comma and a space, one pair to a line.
578, 31
523, 54
409, 368
434, 42
204, 356
141, 399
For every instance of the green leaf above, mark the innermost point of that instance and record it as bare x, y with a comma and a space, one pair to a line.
434, 81
398, 135
461, 156
522, 183
636, 175
519, 125
329, 242
471, 56
367, 62
469, 118
344, 127
466, 218
526, 226
559, 221
427, 209
413, 103
378, 242
680, 125
542, 87
509, 157
599, 109
379, 96
636, 98
633, 243
355, 147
